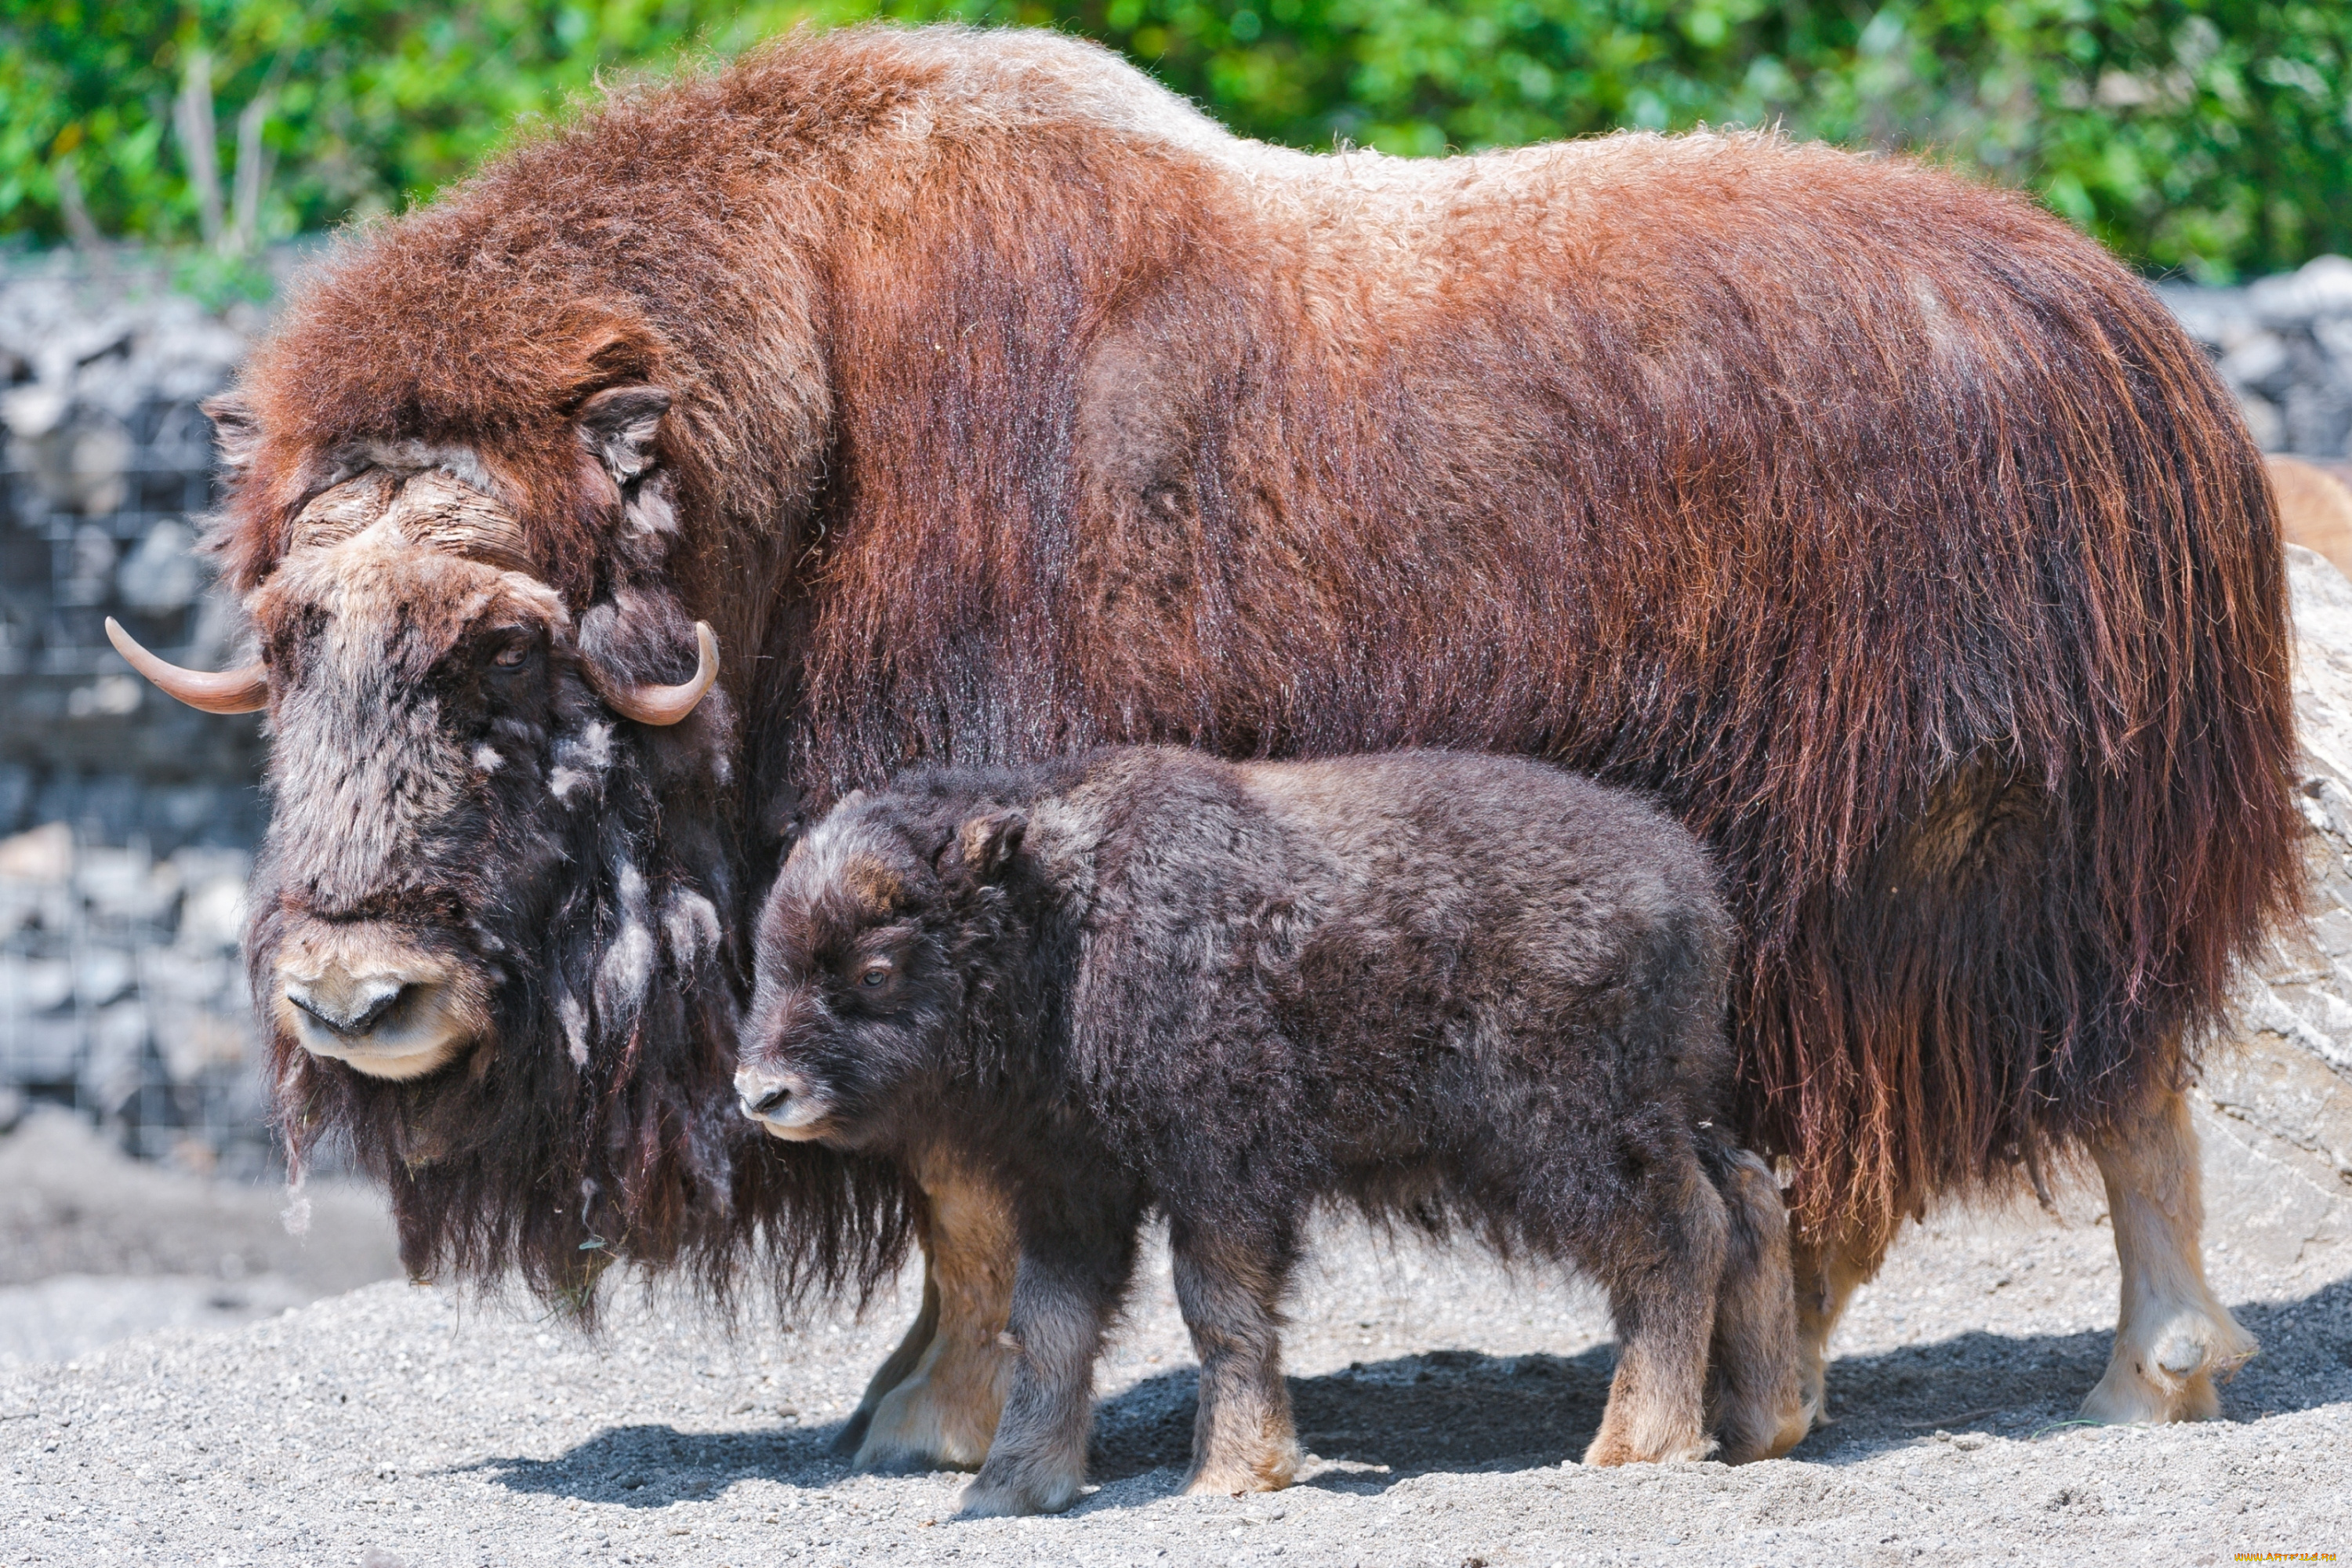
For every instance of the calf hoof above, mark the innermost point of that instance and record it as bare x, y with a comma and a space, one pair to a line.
1794, 1427
1267, 1472
1024, 1492
1610, 1449
2169, 1375
1746, 1442
912, 1428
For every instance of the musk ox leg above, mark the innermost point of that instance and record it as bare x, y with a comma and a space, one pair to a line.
1755, 1401
2173, 1338
940, 1412
1062, 1301
1661, 1290
1231, 1292
894, 1372
1828, 1271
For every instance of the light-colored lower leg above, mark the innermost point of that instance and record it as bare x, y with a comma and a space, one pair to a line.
2173, 1339
894, 1372
942, 1413
1657, 1400
1756, 1403
1038, 1462
1664, 1308
1828, 1271
1243, 1439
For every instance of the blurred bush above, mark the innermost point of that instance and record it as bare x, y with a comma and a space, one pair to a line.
2214, 135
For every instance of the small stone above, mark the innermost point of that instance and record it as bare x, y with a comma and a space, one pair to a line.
46, 854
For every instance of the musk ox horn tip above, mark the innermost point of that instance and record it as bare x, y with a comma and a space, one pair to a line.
670, 704
245, 690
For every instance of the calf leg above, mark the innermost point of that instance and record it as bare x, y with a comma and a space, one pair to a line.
2172, 1338
934, 1404
1662, 1288
1755, 1403
1231, 1290
1063, 1298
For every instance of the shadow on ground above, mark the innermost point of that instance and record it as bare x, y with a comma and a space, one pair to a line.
1460, 1412
656, 1466
2019, 1385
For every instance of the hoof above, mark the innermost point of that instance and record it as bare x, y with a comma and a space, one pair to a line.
1610, 1450
2170, 1376
1812, 1391
1268, 1472
987, 1499
910, 1430
852, 1436
1781, 1435
1799, 1426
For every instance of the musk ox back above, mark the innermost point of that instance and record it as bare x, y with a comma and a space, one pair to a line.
989, 403
1440, 985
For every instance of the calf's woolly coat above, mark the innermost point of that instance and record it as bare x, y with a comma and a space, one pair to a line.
1436, 985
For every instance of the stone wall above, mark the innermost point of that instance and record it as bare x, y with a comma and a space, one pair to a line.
2284, 345
126, 820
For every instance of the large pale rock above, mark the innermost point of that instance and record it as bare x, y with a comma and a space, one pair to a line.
2276, 1109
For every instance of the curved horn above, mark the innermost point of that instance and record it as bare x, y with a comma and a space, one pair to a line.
242, 691
668, 704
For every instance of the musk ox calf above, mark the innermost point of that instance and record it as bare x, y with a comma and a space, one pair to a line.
1444, 986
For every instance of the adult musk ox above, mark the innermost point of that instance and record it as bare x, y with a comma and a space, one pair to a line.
989, 403
1450, 989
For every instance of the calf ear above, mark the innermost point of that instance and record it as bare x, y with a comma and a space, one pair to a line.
619, 425
989, 840
237, 432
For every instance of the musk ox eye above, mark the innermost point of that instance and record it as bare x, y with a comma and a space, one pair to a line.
513, 654
873, 975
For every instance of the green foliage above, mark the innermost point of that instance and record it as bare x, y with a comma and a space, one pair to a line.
2210, 135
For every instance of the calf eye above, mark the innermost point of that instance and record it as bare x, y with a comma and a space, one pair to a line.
511, 655
874, 974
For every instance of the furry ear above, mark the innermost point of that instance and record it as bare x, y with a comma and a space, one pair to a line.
237, 431
619, 425
989, 840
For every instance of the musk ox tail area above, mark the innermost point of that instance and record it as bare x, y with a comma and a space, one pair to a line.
2098, 824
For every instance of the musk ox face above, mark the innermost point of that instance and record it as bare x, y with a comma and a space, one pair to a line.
445, 736
433, 736
443, 733
863, 952
445, 730
490, 918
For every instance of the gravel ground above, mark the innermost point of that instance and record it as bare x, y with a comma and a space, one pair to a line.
398, 1425
95, 1247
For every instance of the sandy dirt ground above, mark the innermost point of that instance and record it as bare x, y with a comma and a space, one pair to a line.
95, 1247
399, 1426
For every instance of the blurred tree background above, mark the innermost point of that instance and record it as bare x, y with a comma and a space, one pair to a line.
2210, 135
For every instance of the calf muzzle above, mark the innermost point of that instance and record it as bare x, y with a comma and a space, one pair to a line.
784, 1103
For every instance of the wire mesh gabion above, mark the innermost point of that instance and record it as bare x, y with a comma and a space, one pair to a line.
130, 822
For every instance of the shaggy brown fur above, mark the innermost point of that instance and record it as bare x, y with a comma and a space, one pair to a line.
1879, 523
1447, 988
